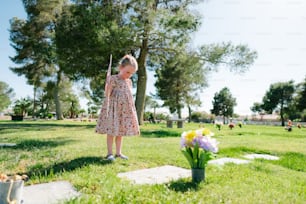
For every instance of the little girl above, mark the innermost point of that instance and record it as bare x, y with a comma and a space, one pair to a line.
118, 114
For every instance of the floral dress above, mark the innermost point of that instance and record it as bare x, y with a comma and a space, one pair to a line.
118, 114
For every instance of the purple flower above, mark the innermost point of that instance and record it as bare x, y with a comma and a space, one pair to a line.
183, 142
207, 143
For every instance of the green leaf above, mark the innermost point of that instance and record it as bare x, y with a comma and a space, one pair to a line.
204, 157
188, 157
202, 160
196, 154
189, 150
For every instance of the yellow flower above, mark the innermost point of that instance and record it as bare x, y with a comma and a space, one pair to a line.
190, 135
207, 132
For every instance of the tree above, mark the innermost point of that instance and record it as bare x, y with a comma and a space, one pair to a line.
6, 93
69, 100
197, 116
301, 96
190, 71
237, 57
146, 29
178, 80
150, 30
223, 104
162, 27
279, 96
71, 106
33, 40
39, 102
257, 108
183, 75
92, 109
87, 33
151, 103
23, 35
192, 101
22, 106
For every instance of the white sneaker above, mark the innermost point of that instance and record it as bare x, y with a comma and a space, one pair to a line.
110, 157
122, 156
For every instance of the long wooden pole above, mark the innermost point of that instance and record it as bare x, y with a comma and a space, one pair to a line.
108, 74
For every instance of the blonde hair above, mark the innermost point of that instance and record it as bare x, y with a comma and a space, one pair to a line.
129, 60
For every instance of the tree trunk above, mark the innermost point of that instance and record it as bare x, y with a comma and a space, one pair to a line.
59, 115
142, 81
47, 108
154, 113
179, 112
34, 104
282, 115
177, 101
189, 113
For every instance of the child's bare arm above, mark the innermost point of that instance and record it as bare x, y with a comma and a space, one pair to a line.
130, 84
108, 86
108, 78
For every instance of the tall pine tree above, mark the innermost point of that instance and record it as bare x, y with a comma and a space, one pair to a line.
34, 43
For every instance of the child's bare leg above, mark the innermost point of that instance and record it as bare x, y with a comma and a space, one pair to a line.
109, 142
118, 145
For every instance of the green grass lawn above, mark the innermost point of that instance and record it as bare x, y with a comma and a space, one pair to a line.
52, 150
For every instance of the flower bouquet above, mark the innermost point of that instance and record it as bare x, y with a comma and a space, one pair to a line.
11, 188
198, 147
218, 125
231, 125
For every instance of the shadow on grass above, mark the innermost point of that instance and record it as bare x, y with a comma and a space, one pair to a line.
183, 186
292, 160
160, 133
238, 151
11, 127
37, 144
65, 166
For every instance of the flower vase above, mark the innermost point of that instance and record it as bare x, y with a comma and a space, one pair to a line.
11, 192
198, 175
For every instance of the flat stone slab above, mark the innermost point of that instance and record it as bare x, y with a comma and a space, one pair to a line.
49, 193
157, 175
225, 160
261, 156
7, 144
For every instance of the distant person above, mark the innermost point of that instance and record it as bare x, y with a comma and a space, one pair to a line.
289, 125
118, 116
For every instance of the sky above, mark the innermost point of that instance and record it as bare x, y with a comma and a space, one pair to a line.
276, 29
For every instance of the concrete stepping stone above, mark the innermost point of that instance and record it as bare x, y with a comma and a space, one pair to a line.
157, 175
49, 193
7, 144
167, 173
225, 160
261, 156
